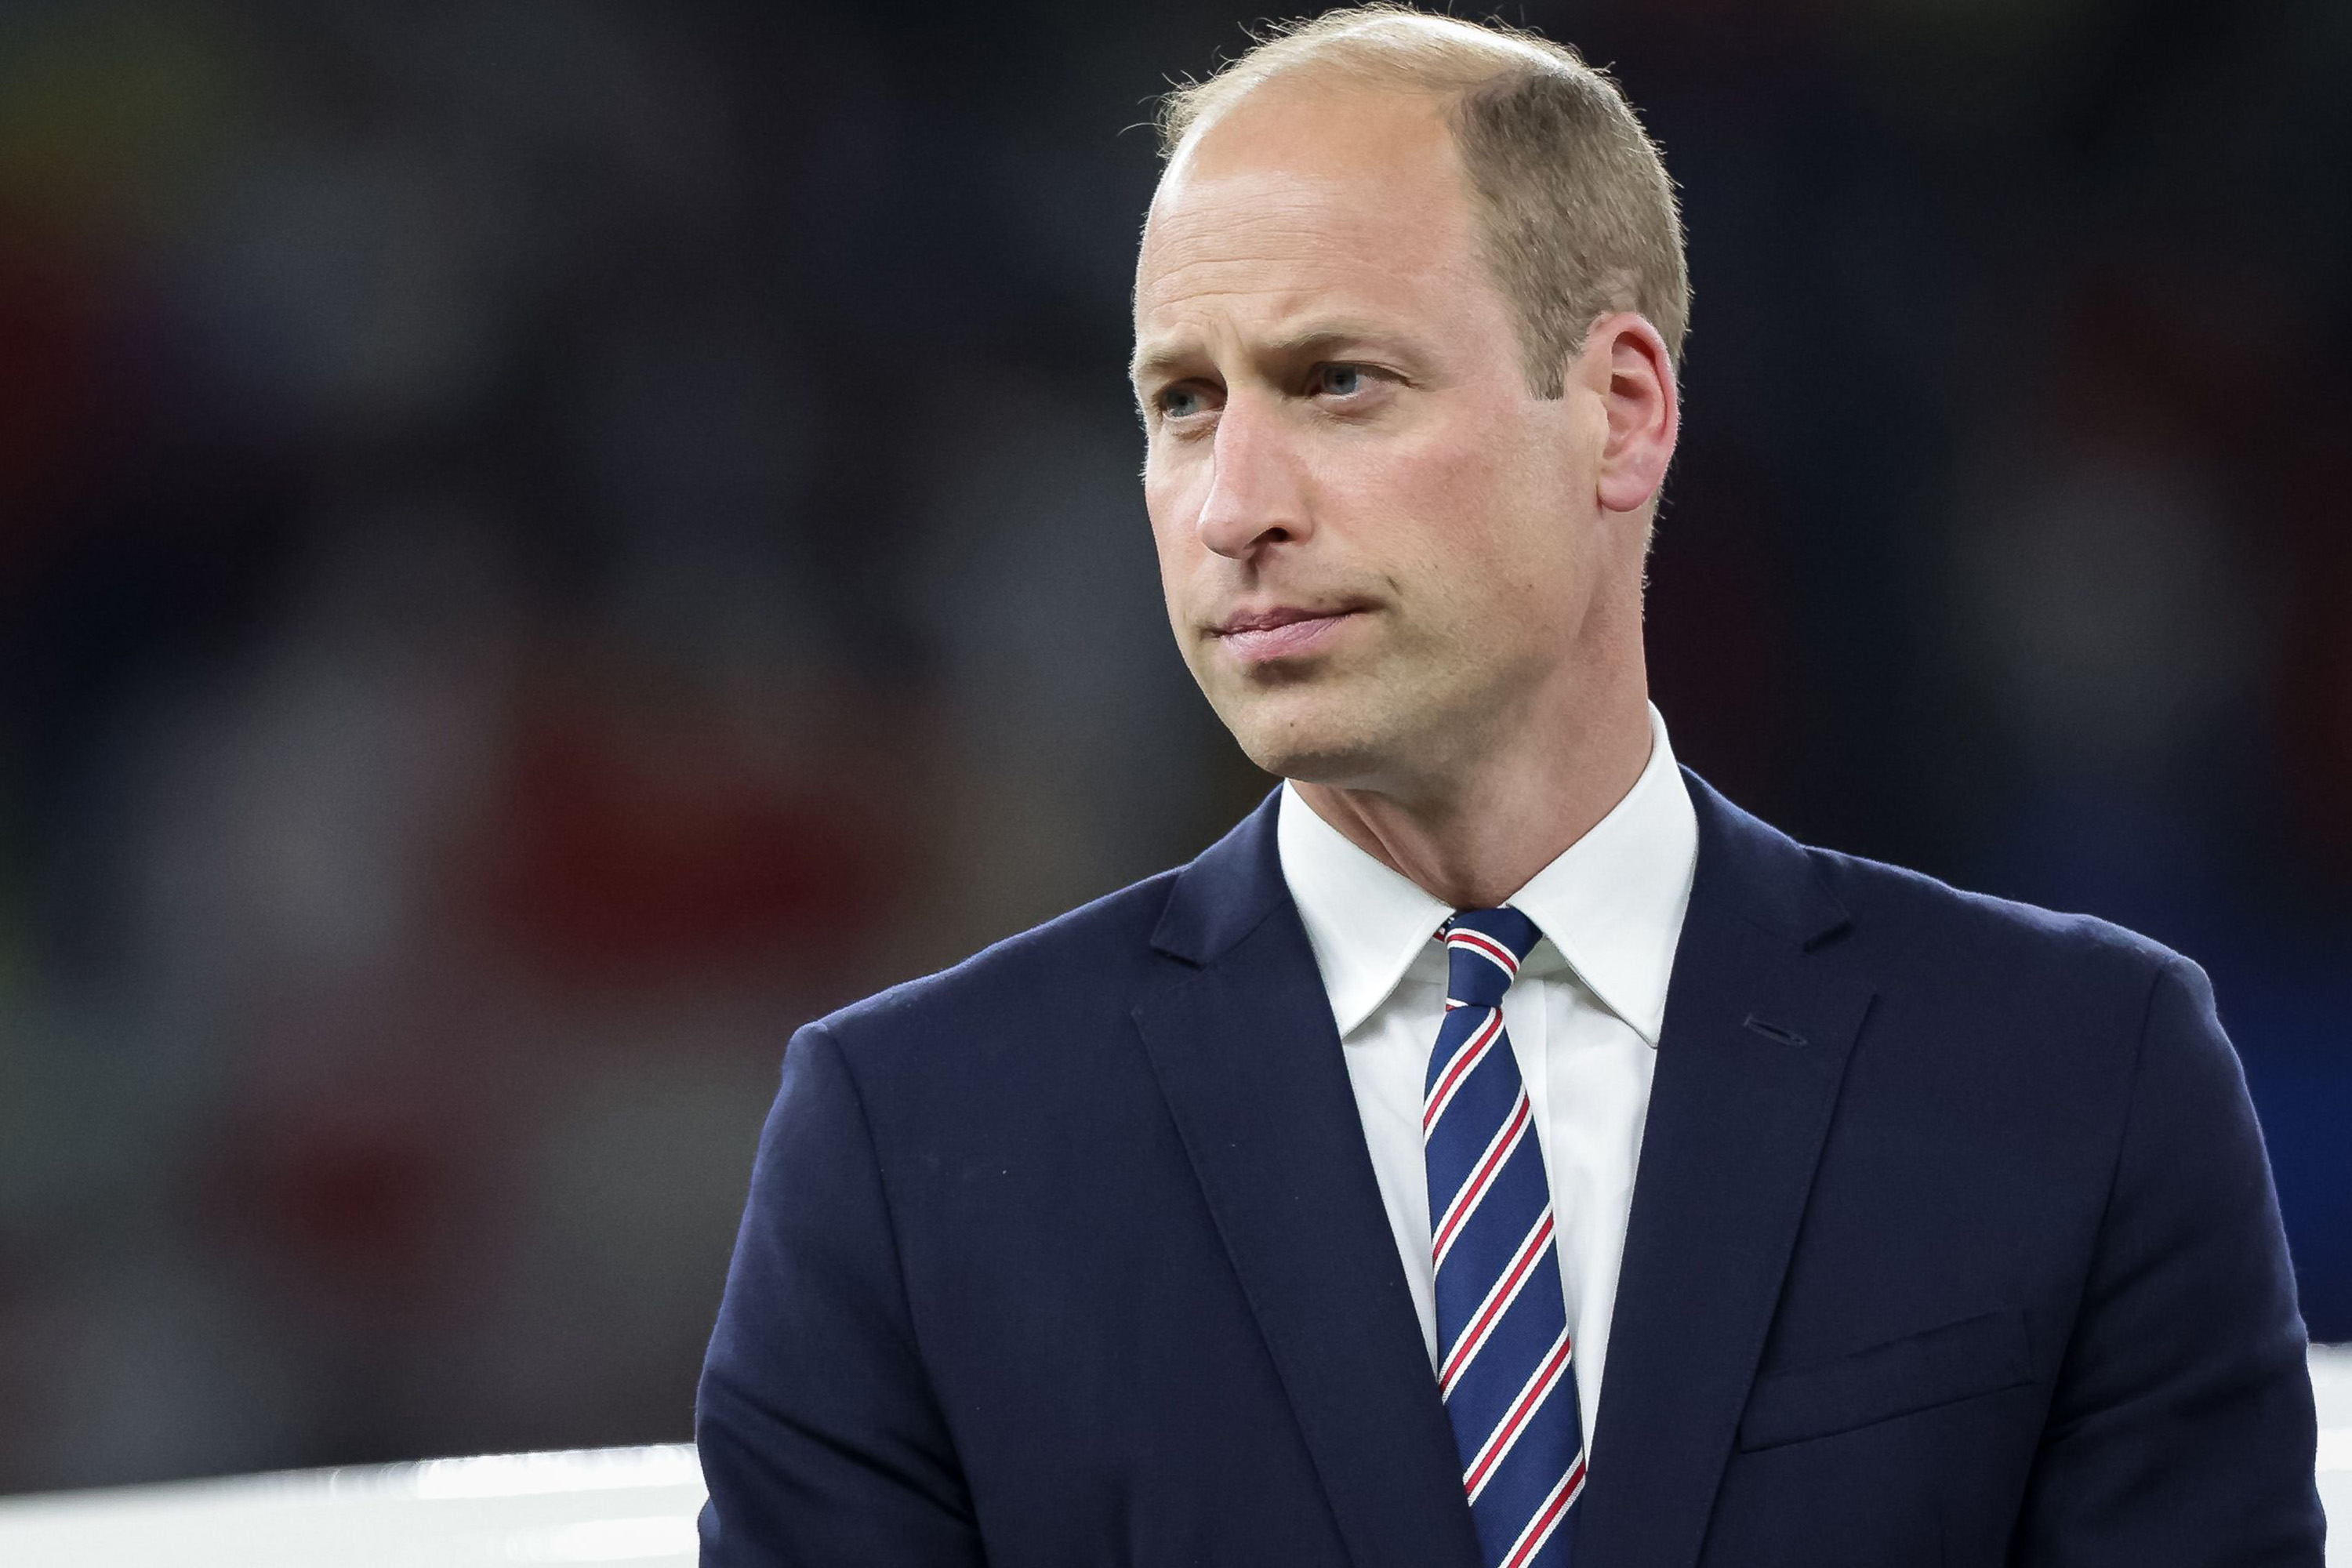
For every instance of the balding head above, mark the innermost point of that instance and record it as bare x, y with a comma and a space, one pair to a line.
1573, 215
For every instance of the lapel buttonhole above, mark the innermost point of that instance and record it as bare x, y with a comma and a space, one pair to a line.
1774, 1031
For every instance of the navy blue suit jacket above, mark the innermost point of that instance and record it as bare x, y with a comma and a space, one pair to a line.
1952, 1243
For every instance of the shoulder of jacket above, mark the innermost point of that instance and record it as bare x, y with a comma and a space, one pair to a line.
1979, 934
1099, 944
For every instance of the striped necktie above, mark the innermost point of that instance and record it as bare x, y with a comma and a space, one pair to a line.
1502, 1319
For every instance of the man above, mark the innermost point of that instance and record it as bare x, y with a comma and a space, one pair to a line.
1365, 1192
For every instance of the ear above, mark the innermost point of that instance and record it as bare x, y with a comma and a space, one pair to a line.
1624, 363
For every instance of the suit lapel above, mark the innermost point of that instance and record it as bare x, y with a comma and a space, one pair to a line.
1249, 1059
1757, 1029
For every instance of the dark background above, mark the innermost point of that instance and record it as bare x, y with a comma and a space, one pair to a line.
543, 544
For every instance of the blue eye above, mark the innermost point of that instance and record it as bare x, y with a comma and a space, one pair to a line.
1340, 380
1178, 402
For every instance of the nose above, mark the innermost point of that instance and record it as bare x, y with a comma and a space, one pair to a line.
1255, 498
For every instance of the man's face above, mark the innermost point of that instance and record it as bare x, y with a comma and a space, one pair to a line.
1376, 544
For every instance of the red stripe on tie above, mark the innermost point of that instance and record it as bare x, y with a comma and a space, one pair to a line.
1479, 942
1472, 1051
1498, 1443
1547, 1518
1506, 1292
1465, 1202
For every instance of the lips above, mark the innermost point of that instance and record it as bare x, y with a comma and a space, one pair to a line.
1283, 632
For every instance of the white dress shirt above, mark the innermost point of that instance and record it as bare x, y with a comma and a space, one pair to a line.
1584, 1017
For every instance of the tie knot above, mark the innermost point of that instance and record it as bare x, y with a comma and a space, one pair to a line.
1484, 949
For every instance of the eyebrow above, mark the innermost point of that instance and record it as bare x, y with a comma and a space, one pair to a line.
1305, 343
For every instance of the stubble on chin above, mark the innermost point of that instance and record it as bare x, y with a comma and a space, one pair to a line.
1313, 731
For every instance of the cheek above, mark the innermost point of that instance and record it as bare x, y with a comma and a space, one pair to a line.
1174, 540
1428, 510
1463, 466
1163, 505
1476, 529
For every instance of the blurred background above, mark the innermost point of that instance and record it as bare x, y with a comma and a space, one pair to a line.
543, 545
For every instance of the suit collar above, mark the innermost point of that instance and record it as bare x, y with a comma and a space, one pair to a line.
1226, 892
1760, 873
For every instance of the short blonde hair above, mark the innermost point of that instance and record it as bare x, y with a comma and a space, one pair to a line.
1575, 215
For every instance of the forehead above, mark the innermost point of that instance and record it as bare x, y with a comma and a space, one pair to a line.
1307, 198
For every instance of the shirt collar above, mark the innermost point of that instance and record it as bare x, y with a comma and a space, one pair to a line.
1611, 905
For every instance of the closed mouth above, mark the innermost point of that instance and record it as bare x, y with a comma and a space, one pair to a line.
1281, 632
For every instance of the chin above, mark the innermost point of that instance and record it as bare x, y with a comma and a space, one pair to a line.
1312, 743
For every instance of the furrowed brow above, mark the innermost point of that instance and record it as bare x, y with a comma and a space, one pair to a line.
1316, 340
1158, 363
1324, 338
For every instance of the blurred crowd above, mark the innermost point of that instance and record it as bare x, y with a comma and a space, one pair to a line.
542, 546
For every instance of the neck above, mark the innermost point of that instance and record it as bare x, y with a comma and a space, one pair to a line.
1495, 825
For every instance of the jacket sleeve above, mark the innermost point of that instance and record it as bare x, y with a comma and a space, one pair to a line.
2181, 1429
820, 1438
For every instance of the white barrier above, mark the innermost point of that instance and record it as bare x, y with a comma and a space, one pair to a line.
2331, 1383
628, 1506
